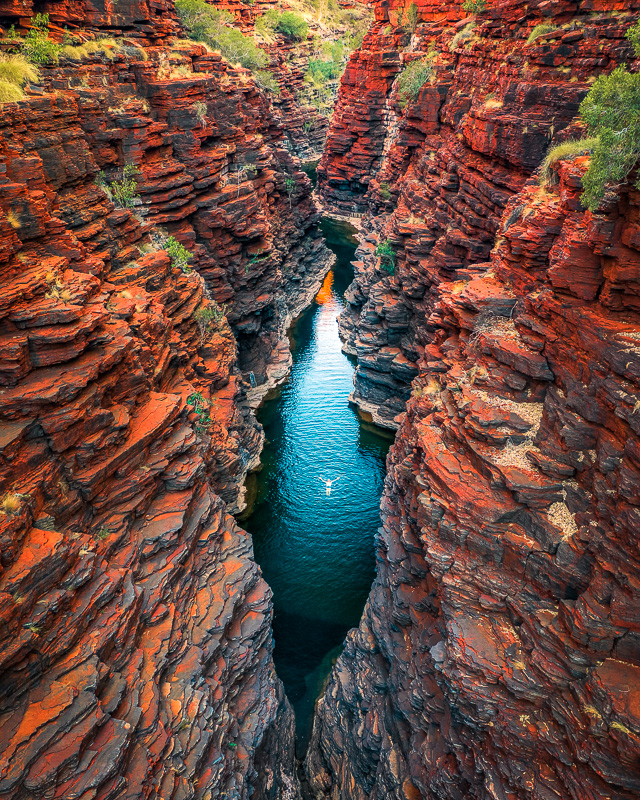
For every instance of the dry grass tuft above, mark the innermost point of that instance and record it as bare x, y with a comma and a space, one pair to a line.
11, 504
540, 30
10, 93
515, 455
560, 516
529, 412
17, 70
78, 52
13, 219
569, 149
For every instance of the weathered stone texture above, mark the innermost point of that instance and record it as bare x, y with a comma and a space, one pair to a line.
135, 644
498, 655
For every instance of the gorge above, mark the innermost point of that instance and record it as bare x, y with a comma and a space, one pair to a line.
158, 238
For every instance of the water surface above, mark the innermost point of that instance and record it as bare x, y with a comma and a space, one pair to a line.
316, 551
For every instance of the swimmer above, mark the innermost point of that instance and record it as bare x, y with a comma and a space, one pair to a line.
327, 484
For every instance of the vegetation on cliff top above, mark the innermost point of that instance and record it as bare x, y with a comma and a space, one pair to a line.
611, 112
206, 24
290, 25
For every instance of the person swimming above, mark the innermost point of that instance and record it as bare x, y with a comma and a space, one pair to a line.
327, 484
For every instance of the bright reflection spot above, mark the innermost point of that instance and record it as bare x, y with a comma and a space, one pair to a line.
325, 295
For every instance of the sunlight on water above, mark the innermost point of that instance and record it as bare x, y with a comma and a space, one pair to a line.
316, 551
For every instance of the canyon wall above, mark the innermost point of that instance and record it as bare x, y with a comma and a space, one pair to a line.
499, 652
135, 645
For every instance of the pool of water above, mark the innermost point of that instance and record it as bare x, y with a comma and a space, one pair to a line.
316, 550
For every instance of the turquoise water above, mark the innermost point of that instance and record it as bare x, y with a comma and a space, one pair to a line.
316, 551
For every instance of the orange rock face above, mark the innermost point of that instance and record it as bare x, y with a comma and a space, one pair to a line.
499, 652
135, 638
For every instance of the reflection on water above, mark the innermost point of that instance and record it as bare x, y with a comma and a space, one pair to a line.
316, 551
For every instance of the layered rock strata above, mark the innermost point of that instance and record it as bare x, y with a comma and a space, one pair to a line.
499, 652
135, 644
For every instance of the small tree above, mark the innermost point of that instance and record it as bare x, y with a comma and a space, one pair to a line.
121, 191
289, 185
37, 47
178, 254
411, 17
292, 26
210, 318
611, 112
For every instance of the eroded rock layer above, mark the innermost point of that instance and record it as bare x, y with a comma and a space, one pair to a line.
499, 652
135, 644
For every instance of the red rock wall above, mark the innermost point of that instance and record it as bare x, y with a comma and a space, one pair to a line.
135, 638
499, 652
152, 20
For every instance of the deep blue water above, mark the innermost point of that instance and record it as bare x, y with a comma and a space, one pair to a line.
316, 551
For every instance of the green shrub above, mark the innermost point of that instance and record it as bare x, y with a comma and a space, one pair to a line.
236, 47
354, 40
37, 47
412, 78
387, 256
206, 24
411, 17
201, 408
633, 35
384, 191
266, 23
462, 36
178, 254
122, 192
474, 6
322, 71
540, 30
292, 26
265, 80
611, 112
572, 147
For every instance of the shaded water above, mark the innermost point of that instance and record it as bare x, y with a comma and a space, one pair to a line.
316, 551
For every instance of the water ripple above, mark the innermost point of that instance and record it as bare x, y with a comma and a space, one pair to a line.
316, 551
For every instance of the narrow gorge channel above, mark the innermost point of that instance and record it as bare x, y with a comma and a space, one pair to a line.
458, 618
317, 551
